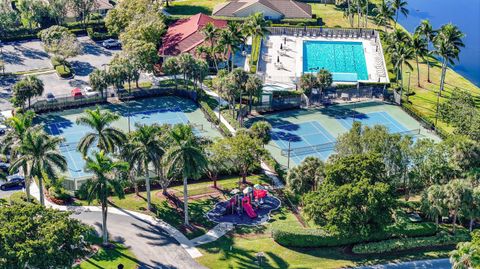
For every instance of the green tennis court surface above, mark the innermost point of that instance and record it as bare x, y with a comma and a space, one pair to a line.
297, 134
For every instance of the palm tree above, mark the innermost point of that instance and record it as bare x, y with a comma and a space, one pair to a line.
307, 82
185, 156
384, 14
146, 150
99, 81
253, 86
455, 191
426, 30
400, 6
420, 49
105, 172
211, 34
20, 124
448, 43
230, 44
105, 136
324, 79
433, 202
400, 57
257, 25
39, 153
186, 63
171, 67
29, 87
465, 256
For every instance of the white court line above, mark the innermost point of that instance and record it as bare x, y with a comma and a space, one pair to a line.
323, 133
401, 128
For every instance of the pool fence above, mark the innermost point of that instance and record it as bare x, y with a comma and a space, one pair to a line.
62, 102
324, 32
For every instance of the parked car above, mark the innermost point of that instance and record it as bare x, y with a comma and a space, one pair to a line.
89, 91
51, 97
13, 181
77, 92
7, 92
4, 167
111, 43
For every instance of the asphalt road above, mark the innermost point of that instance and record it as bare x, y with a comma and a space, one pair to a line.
426, 264
152, 246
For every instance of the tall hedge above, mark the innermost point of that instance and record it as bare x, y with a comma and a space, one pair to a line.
311, 237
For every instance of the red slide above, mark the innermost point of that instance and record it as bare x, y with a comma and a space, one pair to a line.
248, 208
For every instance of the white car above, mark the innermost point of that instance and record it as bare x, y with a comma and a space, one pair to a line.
50, 97
111, 43
89, 91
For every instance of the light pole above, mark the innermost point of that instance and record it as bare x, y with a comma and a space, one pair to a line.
408, 89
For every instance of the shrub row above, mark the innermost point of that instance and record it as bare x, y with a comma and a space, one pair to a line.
98, 36
399, 244
63, 71
208, 111
21, 33
255, 55
298, 22
309, 237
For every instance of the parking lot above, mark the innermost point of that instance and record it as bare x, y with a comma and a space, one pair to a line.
30, 55
25, 56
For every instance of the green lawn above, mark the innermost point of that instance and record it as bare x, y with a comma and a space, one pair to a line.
110, 258
192, 7
240, 252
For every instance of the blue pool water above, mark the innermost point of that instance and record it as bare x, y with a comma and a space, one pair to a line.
345, 60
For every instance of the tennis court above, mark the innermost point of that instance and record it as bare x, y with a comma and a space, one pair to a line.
297, 134
298, 141
373, 118
162, 110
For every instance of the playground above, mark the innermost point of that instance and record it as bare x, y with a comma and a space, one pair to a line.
249, 207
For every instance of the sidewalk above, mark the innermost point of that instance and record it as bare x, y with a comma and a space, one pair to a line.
172, 231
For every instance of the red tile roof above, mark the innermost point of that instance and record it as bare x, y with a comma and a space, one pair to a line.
184, 35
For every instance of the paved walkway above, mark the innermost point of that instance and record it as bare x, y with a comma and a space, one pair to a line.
135, 226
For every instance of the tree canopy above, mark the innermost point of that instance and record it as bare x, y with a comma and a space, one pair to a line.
39, 237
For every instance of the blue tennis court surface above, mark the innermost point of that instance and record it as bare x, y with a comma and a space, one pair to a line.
372, 119
302, 138
73, 133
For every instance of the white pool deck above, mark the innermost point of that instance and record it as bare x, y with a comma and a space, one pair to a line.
281, 60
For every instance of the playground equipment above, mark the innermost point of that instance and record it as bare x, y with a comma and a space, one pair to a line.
247, 206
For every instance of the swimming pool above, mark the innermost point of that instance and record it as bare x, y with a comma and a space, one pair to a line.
345, 60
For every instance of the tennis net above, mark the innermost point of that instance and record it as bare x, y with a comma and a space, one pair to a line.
197, 126
300, 151
69, 146
412, 132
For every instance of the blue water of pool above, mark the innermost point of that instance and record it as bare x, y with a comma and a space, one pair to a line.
345, 60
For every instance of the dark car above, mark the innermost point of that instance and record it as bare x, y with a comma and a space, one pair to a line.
4, 167
13, 181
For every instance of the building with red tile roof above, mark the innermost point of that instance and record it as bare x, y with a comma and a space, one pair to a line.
185, 35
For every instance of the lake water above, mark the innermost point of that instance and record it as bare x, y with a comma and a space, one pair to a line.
463, 13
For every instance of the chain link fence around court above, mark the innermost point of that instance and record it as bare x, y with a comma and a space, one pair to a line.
302, 151
339, 95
